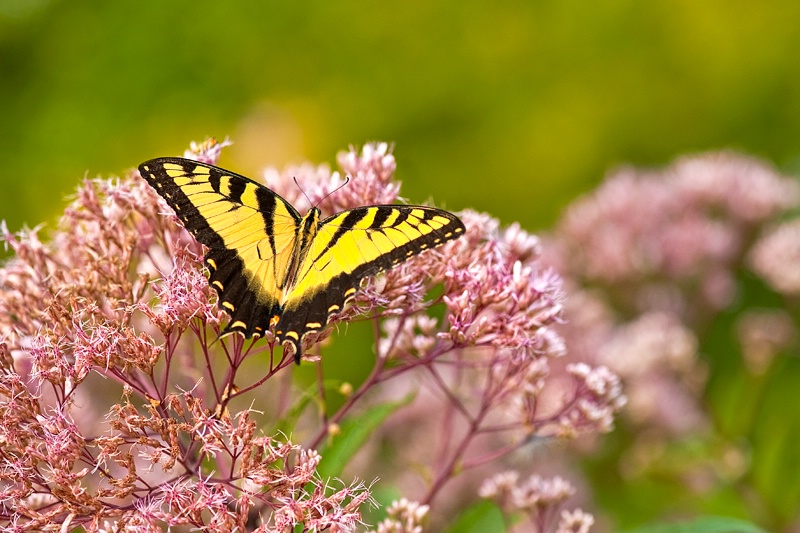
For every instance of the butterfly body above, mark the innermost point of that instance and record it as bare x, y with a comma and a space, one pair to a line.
271, 266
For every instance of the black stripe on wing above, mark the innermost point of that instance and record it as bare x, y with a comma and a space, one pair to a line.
156, 176
248, 315
452, 230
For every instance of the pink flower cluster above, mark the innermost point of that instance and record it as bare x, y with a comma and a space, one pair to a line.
540, 499
121, 408
483, 379
651, 256
656, 262
114, 389
371, 181
683, 227
776, 255
404, 516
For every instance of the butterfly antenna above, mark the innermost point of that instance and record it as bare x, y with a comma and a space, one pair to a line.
302, 191
346, 181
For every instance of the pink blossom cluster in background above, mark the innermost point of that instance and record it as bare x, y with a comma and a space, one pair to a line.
657, 264
651, 257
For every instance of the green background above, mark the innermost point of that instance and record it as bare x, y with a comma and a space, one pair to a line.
511, 107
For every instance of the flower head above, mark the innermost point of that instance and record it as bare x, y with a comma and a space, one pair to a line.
775, 256
687, 224
539, 498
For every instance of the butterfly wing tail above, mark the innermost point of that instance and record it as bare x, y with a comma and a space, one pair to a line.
311, 314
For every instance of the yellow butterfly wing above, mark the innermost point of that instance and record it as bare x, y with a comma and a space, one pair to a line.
250, 231
254, 238
350, 246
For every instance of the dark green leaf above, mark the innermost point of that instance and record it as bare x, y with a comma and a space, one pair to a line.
483, 517
353, 433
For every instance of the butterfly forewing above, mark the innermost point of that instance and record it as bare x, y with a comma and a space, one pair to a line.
250, 232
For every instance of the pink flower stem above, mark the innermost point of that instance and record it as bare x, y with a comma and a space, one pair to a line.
454, 400
372, 379
446, 473
283, 363
321, 392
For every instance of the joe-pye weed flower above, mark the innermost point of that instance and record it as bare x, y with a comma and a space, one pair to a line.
669, 274
120, 406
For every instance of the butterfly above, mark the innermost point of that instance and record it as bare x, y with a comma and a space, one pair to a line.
272, 267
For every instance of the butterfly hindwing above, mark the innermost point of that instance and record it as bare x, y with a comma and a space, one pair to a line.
249, 230
350, 246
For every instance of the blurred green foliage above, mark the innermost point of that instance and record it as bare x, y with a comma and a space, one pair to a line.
511, 107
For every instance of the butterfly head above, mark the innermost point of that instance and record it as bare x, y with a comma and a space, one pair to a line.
310, 222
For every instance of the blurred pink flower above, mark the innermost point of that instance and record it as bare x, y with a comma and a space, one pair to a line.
762, 334
540, 499
653, 261
404, 516
649, 256
686, 225
776, 256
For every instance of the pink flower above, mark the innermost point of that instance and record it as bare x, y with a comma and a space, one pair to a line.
115, 312
775, 257
539, 499
687, 224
